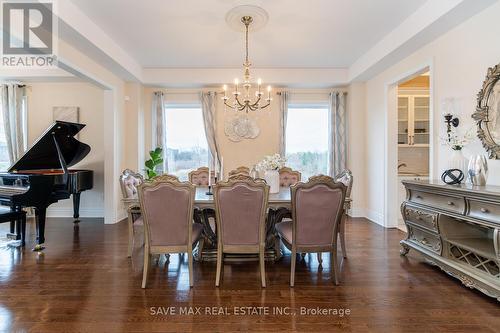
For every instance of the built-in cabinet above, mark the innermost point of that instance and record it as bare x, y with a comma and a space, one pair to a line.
413, 120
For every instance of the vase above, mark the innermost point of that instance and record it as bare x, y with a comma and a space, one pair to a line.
477, 172
272, 178
458, 161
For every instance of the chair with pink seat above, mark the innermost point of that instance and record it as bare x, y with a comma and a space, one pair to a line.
241, 205
167, 210
317, 208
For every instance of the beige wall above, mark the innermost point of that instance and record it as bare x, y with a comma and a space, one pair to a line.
458, 68
42, 97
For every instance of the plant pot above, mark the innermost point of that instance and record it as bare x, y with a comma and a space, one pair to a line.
272, 178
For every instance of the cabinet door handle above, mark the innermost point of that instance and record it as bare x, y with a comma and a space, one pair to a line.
424, 241
418, 196
451, 203
484, 210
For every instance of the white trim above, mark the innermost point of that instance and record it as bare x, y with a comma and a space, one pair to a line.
375, 217
389, 88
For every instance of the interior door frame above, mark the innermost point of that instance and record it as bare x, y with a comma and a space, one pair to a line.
391, 211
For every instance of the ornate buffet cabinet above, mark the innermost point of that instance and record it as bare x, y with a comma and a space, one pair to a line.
456, 227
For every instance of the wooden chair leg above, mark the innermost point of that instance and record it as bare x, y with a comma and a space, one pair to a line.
262, 267
146, 267
201, 246
12, 227
342, 236
320, 259
190, 266
130, 235
219, 267
292, 268
334, 266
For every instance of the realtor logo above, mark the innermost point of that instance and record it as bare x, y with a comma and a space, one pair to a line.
29, 38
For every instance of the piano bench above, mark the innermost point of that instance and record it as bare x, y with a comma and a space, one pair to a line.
17, 218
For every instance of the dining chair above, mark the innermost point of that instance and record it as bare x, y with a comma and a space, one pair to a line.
129, 181
240, 206
199, 177
289, 177
167, 209
241, 170
345, 177
317, 208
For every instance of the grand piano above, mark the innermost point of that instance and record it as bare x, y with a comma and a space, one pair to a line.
41, 176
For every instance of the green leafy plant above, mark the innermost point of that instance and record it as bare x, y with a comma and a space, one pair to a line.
152, 164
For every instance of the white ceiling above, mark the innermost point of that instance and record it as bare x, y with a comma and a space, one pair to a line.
300, 33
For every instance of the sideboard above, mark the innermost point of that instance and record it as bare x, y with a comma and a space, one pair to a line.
456, 227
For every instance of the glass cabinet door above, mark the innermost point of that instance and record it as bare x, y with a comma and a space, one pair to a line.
403, 120
421, 120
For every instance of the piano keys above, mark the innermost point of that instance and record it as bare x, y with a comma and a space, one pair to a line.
41, 176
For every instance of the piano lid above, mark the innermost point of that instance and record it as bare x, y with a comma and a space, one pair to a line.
43, 153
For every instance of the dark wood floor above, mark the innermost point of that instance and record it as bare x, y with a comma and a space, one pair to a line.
83, 282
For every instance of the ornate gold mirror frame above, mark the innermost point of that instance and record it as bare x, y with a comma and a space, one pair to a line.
482, 116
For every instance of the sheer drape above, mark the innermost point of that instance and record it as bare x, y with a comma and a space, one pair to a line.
337, 128
283, 110
208, 107
159, 131
12, 96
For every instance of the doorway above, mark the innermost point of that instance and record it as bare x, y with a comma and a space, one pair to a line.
409, 142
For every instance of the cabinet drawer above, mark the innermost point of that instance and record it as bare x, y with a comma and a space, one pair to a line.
421, 217
444, 202
484, 210
425, 239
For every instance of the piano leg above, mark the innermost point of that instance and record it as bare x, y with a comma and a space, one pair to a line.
40, 228
76, 205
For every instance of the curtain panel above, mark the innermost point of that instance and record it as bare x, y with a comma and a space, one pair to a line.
337, 128
208, 108
283, 110
159, 125
12, 96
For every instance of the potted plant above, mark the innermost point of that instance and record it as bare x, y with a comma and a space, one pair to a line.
153, 163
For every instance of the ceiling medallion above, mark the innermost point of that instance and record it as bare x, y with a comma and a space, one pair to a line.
241, 99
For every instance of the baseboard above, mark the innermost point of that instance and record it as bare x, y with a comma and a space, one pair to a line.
68, 212
375, 217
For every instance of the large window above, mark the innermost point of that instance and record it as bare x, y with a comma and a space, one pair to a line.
5, 162
307, 139
187, 147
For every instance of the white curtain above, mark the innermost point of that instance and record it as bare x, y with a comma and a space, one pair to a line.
283, 110
337, 128
12, 96
208, 107
159, 130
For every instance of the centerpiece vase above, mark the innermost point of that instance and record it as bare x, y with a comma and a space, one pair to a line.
458, 161
272, 178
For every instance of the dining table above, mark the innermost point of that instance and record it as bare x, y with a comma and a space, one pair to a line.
279, 208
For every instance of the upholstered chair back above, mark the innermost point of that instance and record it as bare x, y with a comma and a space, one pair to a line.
241, 170
199, 177
317, 208
346, 178
241, 204
129, 182
167, 210
289, 177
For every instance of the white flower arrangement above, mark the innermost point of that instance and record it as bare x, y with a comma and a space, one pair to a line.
457, 141
271, 162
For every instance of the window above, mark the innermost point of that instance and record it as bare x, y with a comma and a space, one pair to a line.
187, 147
5, 162
307, 139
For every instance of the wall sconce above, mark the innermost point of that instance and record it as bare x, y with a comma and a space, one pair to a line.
450, 121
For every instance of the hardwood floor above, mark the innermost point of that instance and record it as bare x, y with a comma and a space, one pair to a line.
84, 282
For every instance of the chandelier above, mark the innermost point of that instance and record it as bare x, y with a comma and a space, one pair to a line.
241, 99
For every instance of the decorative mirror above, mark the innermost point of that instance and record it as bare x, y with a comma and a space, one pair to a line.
487, 115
